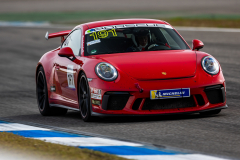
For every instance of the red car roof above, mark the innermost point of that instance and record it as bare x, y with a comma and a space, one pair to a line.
122, 21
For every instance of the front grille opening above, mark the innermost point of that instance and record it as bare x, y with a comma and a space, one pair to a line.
172, 103
200, 99
136, 104
215, 94
117, 102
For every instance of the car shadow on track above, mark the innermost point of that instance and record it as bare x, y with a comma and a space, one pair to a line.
73, 118
132, 119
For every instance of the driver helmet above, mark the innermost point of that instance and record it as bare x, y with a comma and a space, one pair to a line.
140, 32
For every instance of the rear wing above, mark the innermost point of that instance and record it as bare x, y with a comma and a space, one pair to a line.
57, 34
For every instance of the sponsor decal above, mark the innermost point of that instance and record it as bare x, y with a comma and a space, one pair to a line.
96, 96
170, 93
90, 30
53, 88
93, 42
70, 76
164, 73
96, 102
103, 34
89, 79
112, 28
94, 51
95, 90
96, 93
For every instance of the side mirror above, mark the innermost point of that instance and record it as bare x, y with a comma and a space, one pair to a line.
197, 44
66, 52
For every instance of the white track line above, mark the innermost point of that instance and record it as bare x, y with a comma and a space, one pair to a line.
18, 127
207, 29
52, 26
87, 141
175, 157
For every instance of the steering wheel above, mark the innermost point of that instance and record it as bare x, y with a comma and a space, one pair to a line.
157, 46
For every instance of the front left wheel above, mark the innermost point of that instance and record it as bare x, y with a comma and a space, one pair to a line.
42, 97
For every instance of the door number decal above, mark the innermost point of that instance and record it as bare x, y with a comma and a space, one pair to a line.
70, 76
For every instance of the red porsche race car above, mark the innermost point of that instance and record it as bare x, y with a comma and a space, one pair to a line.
128, 67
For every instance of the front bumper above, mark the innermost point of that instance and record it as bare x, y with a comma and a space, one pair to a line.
136, 103
205, 110
207, 92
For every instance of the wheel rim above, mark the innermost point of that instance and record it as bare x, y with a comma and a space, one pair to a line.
84, 97
41, 92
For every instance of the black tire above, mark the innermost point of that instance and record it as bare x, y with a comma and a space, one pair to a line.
84, 99
42, 97
213, 112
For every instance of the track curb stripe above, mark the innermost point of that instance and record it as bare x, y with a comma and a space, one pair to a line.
128, 150
120, 148
40, 134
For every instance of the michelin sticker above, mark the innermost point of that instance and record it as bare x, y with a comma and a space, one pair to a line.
170, 93
70, 76
93, 42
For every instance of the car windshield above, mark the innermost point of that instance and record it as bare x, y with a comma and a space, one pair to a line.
132, 38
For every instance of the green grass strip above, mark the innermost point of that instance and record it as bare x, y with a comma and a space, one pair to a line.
40, 149
174, 18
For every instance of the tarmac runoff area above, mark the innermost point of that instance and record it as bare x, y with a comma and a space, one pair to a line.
219, 135
130, 150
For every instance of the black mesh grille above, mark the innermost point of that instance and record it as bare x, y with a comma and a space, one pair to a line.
117, 102
215, 94
136, 104
169, 103
200, 99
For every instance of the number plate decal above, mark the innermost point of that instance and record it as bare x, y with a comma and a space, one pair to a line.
170, 93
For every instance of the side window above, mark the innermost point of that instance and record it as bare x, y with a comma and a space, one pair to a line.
170, 40
74, 42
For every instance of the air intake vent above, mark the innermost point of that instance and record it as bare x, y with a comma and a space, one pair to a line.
137, 104
115, 100
200, 99
169, 103
215, 94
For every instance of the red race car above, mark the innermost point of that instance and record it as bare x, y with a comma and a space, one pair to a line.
128, 67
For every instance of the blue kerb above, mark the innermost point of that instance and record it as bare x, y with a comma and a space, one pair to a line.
117, 150
3, 122
42, 134
129, 150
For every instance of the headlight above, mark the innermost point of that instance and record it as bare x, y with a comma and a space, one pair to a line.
210, 65
106, 71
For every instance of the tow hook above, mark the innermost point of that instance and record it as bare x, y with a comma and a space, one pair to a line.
138, 87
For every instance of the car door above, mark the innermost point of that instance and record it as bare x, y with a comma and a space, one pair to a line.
66, 70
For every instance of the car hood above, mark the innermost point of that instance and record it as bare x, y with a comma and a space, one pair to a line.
155, 65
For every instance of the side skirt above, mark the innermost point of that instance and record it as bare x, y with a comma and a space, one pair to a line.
62, 106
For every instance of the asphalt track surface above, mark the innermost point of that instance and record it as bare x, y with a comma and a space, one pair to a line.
184, 6
21, 48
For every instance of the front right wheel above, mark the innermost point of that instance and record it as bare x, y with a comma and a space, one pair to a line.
84, 99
